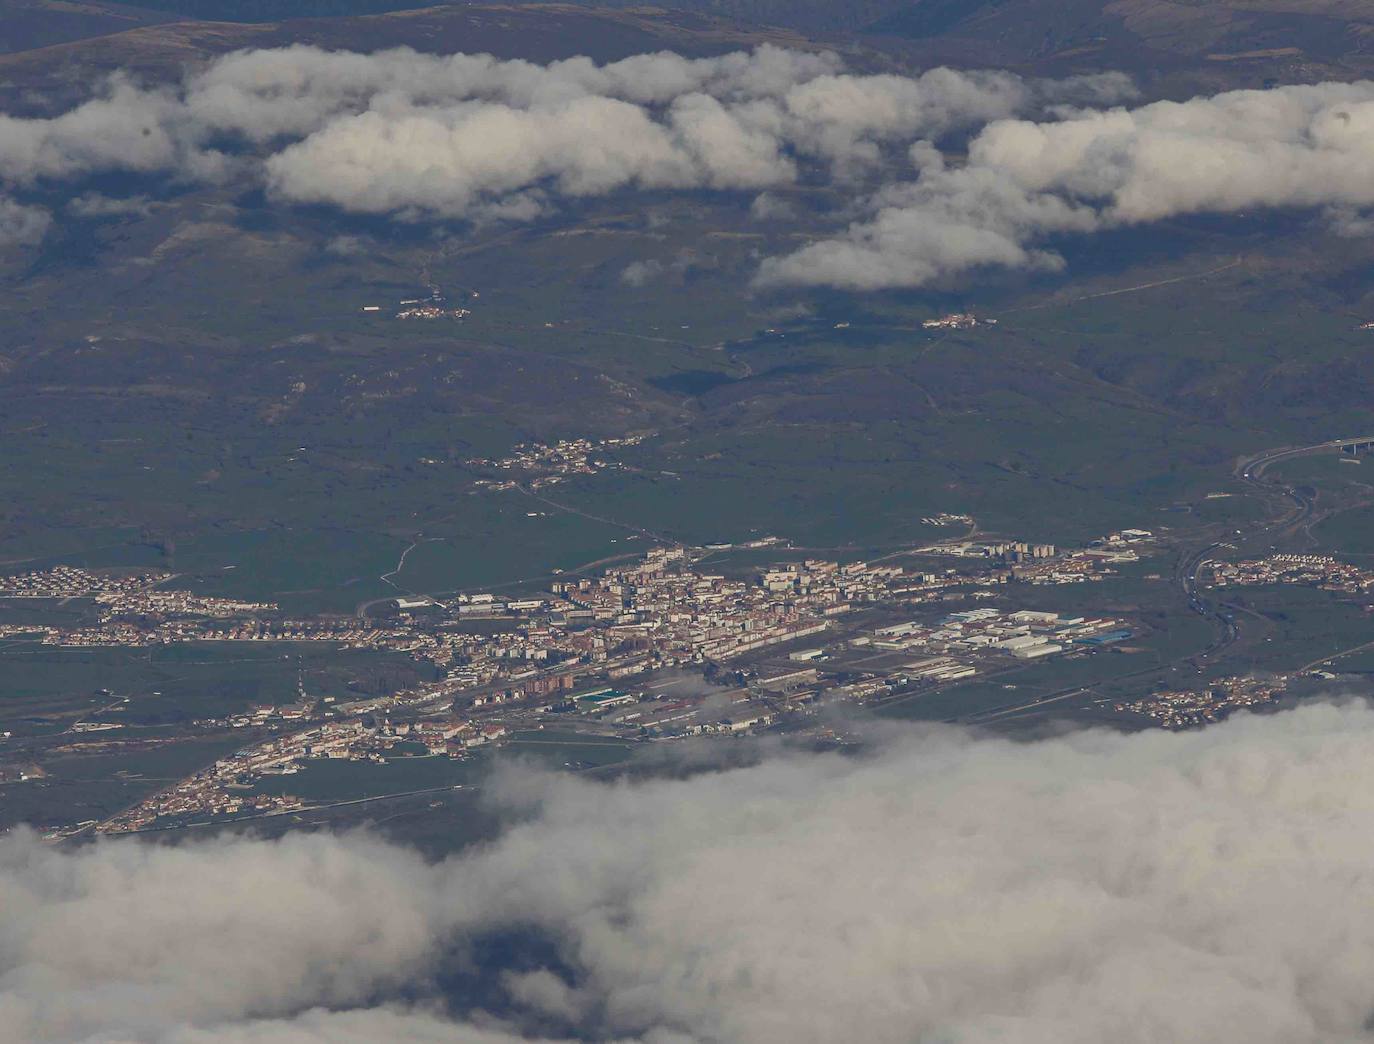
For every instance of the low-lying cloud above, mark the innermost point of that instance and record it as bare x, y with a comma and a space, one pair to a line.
1200, 887
463, 133
1025, 181
473, 137
22, 225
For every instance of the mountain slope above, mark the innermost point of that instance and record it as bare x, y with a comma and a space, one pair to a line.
26, 24
536, 32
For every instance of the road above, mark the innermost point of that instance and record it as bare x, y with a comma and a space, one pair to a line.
1188, 572
1064, 303
1294, 507
401, 564
568, 509
1295, 510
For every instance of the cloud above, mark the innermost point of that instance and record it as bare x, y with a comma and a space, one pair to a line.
767, 206
1094, 89
349, 246
473, 137
294, 91
322, 1026
96, 205
641, 273
1293, 146
22, 225
448, 163
1026, 180
477, 139
949, 221
1207, 886
139, 939
125, 128
472, 130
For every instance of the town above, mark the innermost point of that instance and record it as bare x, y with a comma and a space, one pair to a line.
957, 321
659, 649
431, 307
1321, 571
1183, 709
543, 465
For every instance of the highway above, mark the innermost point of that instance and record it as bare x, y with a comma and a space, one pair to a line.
1293, 507
1251, 470
1188, 572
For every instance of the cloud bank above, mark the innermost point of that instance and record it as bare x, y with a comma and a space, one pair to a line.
1025, 181
473, 138
1199, 887
22, 225
464, 136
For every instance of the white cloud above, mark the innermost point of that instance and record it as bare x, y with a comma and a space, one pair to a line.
1095, 89
471, 136
96, 205
349, 246
293, 90
1301, 146
22, 225
469, 130
948, 222
1198, 887
125, 128
767, 206
640, 273
449, 162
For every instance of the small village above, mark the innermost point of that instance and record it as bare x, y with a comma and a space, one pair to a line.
1320, 571
659, 649
957, 321
541, 464
1045, 564
424, 308
1186, 709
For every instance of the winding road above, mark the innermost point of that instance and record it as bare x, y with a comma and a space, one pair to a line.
1250, 470
1294, 507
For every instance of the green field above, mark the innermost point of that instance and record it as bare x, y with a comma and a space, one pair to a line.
95, 787
326, 781
1349, 533
338, 780
1308, 625
273, 443
44, 689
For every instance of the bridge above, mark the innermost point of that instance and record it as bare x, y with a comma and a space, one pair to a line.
1355, 449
